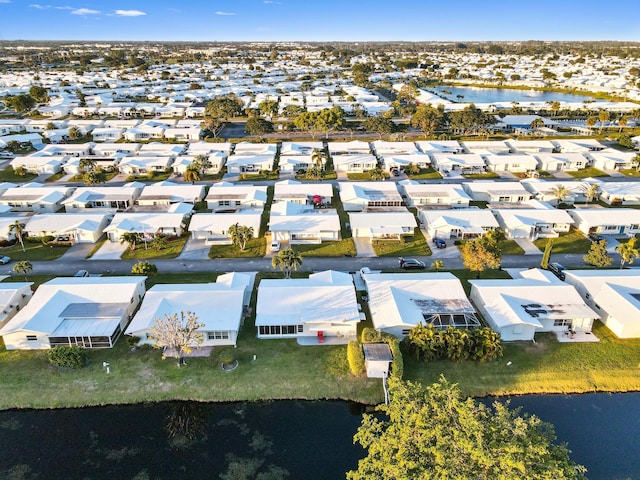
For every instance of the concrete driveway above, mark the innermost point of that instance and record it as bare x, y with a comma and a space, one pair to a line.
79, 251
195, 249
110, 251
528, 246
364, 247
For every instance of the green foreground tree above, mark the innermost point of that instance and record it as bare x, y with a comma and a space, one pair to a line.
628, 252
17, 228
597, 255
482, 253
287, 260
23, 268
178, 333
435, 433
240, 235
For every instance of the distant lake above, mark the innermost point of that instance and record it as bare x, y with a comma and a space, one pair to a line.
497, 95
309, 440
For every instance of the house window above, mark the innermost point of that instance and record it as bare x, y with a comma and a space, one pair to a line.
562, 323
406, 331
587, 296
300, 328
218, 335
32, 338
223, 203
238, 202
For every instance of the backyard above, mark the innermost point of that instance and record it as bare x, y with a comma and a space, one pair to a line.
573, 241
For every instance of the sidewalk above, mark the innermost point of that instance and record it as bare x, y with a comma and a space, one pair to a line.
528, 246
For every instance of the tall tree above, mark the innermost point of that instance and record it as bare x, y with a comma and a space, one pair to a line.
546, 255
428, 119
178, 332
240, 235
23, 267
480, 254
287, 260
269, 108
628, 251
436, 433
39, 94
95, 177
622, 122
635, 161
17, 228
591, 121
191, 175
597, 255
603, 116
201, 163
591, 191
560, 192
224, 107
132, 238
379, 125
317, 158
87, 164
74, 133
258, 126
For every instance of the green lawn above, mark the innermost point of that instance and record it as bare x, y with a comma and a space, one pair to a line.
407, 247
37, 280
152, 177
509, 247
55, 177
172, 250
256, 247
425, 174
571, 242
328, 249
328, 175
547, 366
8, 175
481, 175
631, 172
364, 176
35, 251
256, 177
588, 172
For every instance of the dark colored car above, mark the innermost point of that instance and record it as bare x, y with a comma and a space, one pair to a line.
411, 264
595, 237
439, 243
557, 270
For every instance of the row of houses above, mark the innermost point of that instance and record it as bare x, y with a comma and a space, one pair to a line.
93, 312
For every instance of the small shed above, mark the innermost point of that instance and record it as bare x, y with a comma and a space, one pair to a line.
377, 359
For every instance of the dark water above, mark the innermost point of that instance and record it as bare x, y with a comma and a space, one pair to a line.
494, 95
308, 440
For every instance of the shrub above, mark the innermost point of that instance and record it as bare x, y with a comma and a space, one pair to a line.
397, 367
132, 341
355, 355
370, 335
68, 357
144, 268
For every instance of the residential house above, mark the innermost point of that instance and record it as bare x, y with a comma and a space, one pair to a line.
183, 134
401, 162
225, 197
461, 223
217, 160
90, 312
299, 148
251, 164
354, 163
303, 193
581, 145
618, 193
382, 148
320, 309
391, 224
490, 147
248, 149
611, 159
605, 221
355, 147
358, 196
163, 194
534, 301
513, 163
533, 223
103, 199
214, 227
72, 165
432, 195
144, 165
400, 301
206, 148
303, 224
439, 146
109, 149
556, 162
35, 197
86, 227
544, 190
459, 163
497, 192
146, 224
39, 164
219, 306
614, 294
531, 146
13, 297
35, 139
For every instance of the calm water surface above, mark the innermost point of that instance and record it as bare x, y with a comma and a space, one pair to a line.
307, 440
495, 95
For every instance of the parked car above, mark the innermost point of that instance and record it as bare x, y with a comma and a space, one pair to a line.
81, 273
4, 260
440, 243
595, 237
275, 246
557, 270
411, 264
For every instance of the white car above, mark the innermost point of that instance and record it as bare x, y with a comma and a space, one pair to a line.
275, 246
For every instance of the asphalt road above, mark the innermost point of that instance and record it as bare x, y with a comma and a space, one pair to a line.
351, 264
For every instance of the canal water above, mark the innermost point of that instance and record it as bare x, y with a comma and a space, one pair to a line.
286, 439
505, 95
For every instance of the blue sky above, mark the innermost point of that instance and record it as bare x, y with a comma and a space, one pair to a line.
314, 20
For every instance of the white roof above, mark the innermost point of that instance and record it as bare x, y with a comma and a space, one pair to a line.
459, 217
217, 222
65, 222
91, 194
462, 159
247, 148
453, 191
218, 305
97, 302
535, 295
299, 148
369, 191
353, 146
144, 222
606, 216
309, 220
444, 146
373, 220
177, 192
324, 297
525, 160
383, 147
495, 188
403, 299
297, 188
515, 217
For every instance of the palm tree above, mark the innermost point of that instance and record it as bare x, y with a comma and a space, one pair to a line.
74, 133
191, 175
486, 344
591, 121
537, 123
622, 122
132, 238
24, 267
317, 157
159, 242
240, 235
591, 191
287, 260
635, 161
603, 116
376, 175
413, 169
17, 228
628, 252
437, 265
87, 164
560, 192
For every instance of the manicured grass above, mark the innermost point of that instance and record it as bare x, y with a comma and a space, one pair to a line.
481, 175
407, 247
328, 249
256, 247
479, 204
466, 275
108, 176
37, 280
328, 175
588, 172
35, 251
547, 366
509, 247
194, 277
631, 172
541, 174
364, 176
571, 242
153, 177
255, 177
55, 177
8, 175
172, 250
425, 174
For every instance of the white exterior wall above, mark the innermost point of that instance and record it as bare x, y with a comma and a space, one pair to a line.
18, 341
377, 368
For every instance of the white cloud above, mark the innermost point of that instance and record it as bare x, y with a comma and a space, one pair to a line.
5, 1
85, 11
130, 13
272, 2
224, 13
39, 7
63, 8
